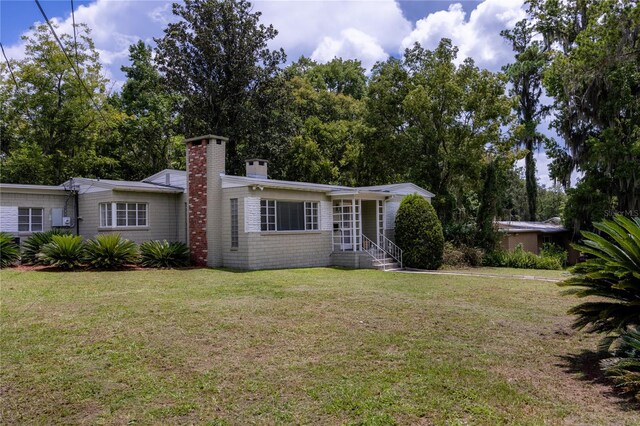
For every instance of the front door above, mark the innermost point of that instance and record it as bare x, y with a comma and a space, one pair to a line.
346, 225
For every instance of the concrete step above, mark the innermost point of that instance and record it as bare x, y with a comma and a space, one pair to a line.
387, 266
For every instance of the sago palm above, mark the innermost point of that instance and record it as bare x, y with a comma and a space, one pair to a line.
612, 275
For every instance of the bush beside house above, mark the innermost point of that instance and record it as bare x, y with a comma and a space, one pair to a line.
9, 251
418, 233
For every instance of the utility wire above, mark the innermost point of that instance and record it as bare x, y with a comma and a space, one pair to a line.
44, 15
13, 77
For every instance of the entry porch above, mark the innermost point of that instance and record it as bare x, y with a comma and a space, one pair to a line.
358, 238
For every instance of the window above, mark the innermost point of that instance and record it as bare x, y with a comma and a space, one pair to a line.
267, 215
234, 223
288, 215
30, 219
126, 215
311, 216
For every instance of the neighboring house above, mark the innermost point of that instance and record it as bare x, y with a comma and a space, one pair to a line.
244, 222
533, 235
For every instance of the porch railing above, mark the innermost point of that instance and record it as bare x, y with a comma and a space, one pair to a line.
375, 251
390, 248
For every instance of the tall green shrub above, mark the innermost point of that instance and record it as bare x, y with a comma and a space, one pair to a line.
110, 251
64, 251
9, 251
418, 233
31, 247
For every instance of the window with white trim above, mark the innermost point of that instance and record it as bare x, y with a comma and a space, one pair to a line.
123, 215
30, 219
234, 222
288, 215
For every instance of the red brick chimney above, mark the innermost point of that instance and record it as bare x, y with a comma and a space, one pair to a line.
205, 164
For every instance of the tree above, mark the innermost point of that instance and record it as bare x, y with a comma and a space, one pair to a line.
525, 76
451, 115
148, 139
594, 78
329, 129
51, 126
418, 232
216, 58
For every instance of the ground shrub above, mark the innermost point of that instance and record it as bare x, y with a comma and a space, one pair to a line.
519, 258
612, 273
32, 246
109, 251
418, 233
9, 250
461, 255
624, 369
164, 254
64, 251
554, 251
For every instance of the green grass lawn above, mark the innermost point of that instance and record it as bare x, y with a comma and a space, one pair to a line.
308, 346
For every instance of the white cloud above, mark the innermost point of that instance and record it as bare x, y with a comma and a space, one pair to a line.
365, 30
115, 25
352, 44
478, 37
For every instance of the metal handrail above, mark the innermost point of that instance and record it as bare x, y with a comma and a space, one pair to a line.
374, 250
391, 249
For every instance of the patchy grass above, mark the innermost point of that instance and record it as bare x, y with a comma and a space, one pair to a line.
294, 346
542, 273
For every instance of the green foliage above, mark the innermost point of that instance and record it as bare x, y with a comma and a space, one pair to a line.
593, 79
32, 246
462, 255
64, 251
525, 76
49, 124
327, 114
521, 259
9, 250
148, 142
625, 368
418, 232
109, 251
164, 254
612, 275
554, 251
215, 56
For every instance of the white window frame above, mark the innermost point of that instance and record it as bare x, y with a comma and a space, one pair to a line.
30, 215
311, 215
105, 208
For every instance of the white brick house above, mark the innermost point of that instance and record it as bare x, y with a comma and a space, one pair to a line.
243, 222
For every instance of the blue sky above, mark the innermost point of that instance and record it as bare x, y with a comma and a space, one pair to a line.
369, 30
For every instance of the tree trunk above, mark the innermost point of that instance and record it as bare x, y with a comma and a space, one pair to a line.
530, 179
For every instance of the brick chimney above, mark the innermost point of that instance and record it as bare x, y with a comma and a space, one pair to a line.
205, 164
256, 168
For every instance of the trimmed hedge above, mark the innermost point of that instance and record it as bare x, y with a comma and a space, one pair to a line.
419, 234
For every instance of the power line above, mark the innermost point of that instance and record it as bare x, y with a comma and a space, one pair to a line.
75, 70
13, 77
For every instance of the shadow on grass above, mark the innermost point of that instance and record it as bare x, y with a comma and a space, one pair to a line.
586, 366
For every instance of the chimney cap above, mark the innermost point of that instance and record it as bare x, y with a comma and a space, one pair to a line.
256, 159
208, 137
